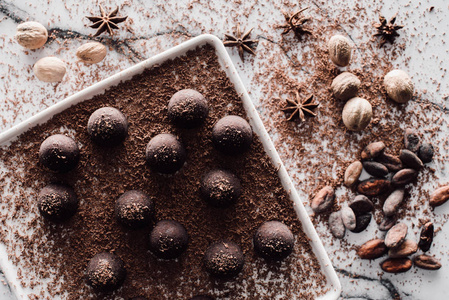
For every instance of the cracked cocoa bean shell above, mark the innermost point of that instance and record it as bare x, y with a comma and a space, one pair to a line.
361, 205
361, 222
412, 140
426, 237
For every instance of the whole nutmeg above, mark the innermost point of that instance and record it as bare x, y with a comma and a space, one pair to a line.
49, 69
345, 86
31, 35
340, 49
399, 86
357, 114
91, 53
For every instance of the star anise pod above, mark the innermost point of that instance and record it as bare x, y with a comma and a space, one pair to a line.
106, 22
241, 41
387, 31
298, 108
295, 23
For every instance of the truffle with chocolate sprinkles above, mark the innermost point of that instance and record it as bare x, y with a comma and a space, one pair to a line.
59, 153
273, 240
165, 153
107, 126
134, 209
105, 272
168, 239
220, 188
224, 259
232, 135
57, 202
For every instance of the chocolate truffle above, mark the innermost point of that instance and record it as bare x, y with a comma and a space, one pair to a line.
232, 135
168, 239
105, 272
107, 126
134, 209
273, 240
220, 188
59, 153
224, 259
202, 297
57, 202
165, 154
187, 109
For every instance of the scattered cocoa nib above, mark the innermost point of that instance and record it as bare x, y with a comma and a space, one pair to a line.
349, 218
412, 140
426, 237
439, 196
410, 159
425, 152
407, 248
373, 186
387, 223
404, 177
361, 222
427, 262
375, 168
352, 173
372, 249
396, 235
361, 205
336, 225
372, 150
396, 265
393, 202
392, 162
323, 200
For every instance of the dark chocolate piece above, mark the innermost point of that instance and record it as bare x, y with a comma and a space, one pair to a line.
105, 272
187, 108
220, 188
361, 205
165, 154
224, 259
273, 240
59, 153
57, 202
232, 135
362, 222
168, 239
134, 209
107, 126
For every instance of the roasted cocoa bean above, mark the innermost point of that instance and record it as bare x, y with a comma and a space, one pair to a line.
426, 237
323, 200
387, 223
404, 176
393, 202
407, 248
396, 265
392, 162
336, 225
372, 150
411, 140
352, 173
396, 235
372, 249
349, 218
410, 159
425, 153
440, 196
361, 222
361, 205
427, 262
373, 186
375, 168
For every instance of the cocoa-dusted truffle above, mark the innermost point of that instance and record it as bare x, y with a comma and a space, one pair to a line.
134, 209
59, 153
273, 240
168, 239
220, 188
224, 259
105, 272
165, 154
232, 135
202, 297
188, 108
107, 126
57, 202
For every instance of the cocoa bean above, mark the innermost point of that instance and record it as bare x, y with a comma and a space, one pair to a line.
348, 217
404, 176
425, 153
323, 200
410, 159
411, 140
372, 249
361, 222
373, 186
336, 225
361, 205
440, 196
373, 150
396, 265
375, 168
407, 248
427, 262
352, 173
426, 237
392, 203
392, 162
387, 223
396, 235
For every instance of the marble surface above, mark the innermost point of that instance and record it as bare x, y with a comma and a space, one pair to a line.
154, 26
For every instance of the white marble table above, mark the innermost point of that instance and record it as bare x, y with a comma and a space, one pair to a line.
154, 26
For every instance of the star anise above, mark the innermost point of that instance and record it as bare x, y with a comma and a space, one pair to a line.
295, 23
387, 31
241, 41
299, 108
106, 22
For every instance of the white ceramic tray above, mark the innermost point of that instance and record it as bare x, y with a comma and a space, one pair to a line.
333, 285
